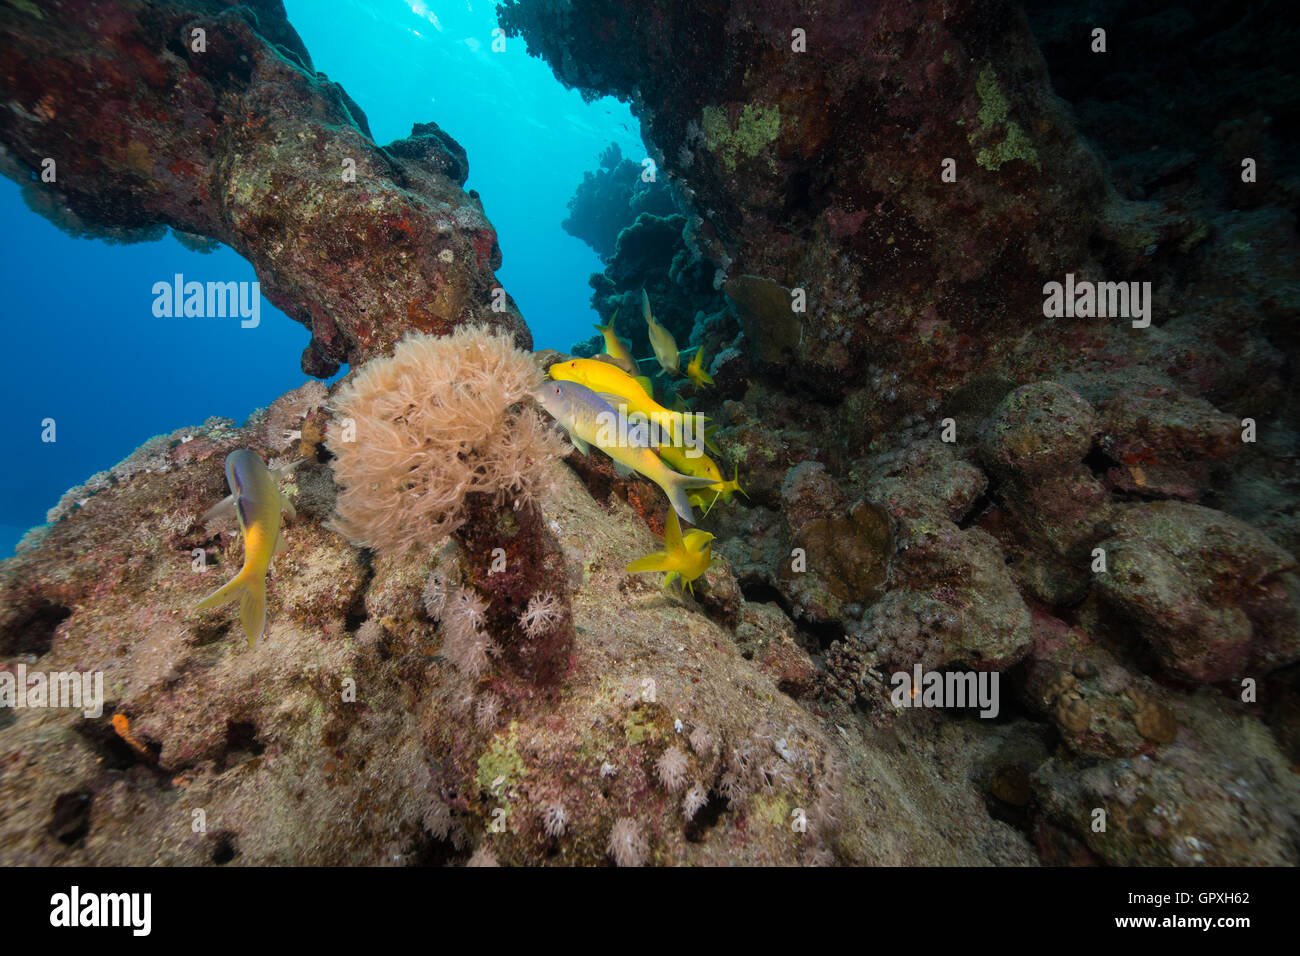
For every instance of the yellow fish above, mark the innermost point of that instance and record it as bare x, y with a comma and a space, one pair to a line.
619, 388
684, 556
257, 502
696, 465
702, 466
616, 348
695, 371
661, 340
591, 420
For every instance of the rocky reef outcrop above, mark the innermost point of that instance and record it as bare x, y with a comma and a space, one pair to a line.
813, 143
209, 118
609, 200
347, 737
1097, 506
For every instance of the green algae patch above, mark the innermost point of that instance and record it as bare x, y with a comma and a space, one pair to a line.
756, 129
640, 726
501, 761
27, 7
993, 112
775, 810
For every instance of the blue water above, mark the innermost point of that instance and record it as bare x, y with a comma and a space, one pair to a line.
85, 349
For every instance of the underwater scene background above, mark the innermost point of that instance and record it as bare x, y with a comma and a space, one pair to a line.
942, 503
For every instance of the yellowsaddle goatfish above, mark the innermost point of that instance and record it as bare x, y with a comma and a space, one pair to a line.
661, 340
696, 372
257, 501
591, 420
685, 556
619, 388
702, 466
616, 348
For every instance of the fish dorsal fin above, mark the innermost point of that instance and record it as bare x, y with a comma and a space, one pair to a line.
612, 398
610, 326
645, 307
287, 506
673, 534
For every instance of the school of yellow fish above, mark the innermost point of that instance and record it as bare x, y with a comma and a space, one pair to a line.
581, 391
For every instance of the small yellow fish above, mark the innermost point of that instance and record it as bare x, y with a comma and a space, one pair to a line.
695, 371
697, 465
702, 466
720, 491
661, 340
616, 348
684, 556
619, 388
257, 502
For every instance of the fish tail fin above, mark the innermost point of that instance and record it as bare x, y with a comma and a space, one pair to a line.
224, 594
251, 588
252, 612
651, 562
676, 485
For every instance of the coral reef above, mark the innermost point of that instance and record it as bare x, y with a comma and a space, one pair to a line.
610, 199
768, 144
1098, 509
353, 712
1095, 516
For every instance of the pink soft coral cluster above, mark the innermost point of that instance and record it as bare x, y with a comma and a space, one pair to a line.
442, 418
